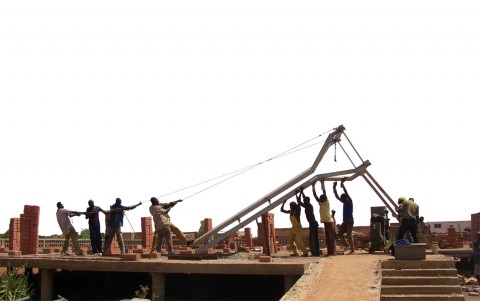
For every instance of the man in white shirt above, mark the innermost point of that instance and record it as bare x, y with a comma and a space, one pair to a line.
63, 218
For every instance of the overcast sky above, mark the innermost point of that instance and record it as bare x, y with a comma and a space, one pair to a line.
107, 99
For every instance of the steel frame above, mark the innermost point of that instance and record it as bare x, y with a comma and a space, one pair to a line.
221, 232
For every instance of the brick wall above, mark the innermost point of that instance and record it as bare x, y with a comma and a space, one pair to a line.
269, 237
147, 232
29, 222
14, 234
248, 238
475, 226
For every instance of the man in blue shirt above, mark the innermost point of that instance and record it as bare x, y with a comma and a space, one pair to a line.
347, 225
115, 224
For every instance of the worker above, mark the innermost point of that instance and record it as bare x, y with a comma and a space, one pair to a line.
313, 241
326, 218
296, 241
63, 219
94, 227
164, 228
409, 212
115, 224
347, 224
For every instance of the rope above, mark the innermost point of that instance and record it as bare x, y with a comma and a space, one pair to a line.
245, 169
129, 224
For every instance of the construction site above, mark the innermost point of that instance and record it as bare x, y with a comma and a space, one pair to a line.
226, 261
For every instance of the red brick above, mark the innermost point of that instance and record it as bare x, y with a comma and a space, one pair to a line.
130, 257
265, 259
154, 255
185, 252
14, 253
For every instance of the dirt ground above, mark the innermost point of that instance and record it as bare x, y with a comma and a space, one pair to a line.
343, 277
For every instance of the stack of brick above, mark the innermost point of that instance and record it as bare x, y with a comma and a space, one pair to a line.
475, 225
268, 238
14, 234
207, 227
147, 232
452, 240
29, 222
248, 238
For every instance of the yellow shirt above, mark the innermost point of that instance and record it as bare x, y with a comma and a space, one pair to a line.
325, 216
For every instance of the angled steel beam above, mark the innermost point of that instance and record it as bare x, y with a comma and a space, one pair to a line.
332, 138
359, 171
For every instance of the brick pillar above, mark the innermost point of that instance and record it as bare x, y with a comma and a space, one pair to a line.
452, 236
207, 227
269, 238
14, 234
147, 232
29, 222
475, 225
248, 238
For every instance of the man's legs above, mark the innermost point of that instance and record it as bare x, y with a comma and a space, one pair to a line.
154, 241
299, 241
121, 245
108, 240
179, 234
413, 229
330, 238
167, 234
293, 246
95, 237
402, 229
313, 239
76, 246
349, 236
66, 242
341, 232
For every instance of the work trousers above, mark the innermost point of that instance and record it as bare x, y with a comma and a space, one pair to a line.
72, 234
296, 241
110, 233
330, 239
95, 237
158, 237
410, 225
313, 239
347, 227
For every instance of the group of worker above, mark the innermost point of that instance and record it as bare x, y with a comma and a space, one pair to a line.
327, 217
408, 213
164, 228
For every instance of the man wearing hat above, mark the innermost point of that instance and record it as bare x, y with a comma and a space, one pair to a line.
409, 212
296, 241
63, 219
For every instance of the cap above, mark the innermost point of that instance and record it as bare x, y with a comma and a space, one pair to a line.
293, 204
153, 199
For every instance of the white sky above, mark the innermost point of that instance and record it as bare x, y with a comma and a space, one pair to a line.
106, 99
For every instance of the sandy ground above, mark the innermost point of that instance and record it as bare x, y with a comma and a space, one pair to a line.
343, 277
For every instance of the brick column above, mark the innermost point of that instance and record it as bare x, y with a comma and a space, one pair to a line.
14, 234
147, 232
475, 225
207, 227
269, 238
248, 238
29, 222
